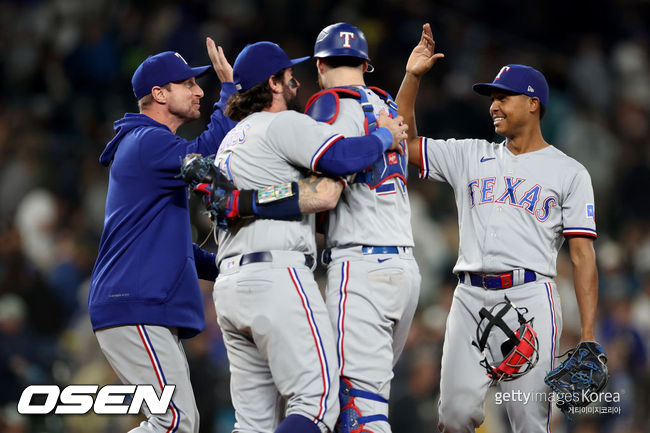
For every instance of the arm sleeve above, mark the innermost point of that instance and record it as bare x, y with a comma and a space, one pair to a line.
578, 208
350, 155
442, 160
304, 142
206, 265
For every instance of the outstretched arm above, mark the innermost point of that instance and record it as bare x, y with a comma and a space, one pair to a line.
420, 61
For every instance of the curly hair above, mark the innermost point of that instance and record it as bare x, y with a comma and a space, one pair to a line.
252, 100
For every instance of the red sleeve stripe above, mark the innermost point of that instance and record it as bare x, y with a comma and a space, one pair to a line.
579, 231
321, 150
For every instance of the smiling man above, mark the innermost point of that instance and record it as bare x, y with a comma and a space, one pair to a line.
144, 291
517, 200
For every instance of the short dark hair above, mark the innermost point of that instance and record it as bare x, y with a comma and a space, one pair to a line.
542, 111
338, 61
252, 100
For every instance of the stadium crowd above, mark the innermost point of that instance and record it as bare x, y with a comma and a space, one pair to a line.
65, 70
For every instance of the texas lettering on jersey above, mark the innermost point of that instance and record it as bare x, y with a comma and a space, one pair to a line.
482, 191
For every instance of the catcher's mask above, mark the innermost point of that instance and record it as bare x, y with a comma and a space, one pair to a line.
519, 350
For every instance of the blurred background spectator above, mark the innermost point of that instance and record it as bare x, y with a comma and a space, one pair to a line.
65, 70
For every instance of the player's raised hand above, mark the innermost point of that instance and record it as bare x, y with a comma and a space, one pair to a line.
423, 55
219, 61
396, 126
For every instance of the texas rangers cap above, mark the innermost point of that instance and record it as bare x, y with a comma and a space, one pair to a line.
520, 79
258, 61
163, 68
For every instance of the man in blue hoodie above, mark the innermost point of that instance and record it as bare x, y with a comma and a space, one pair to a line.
144, 291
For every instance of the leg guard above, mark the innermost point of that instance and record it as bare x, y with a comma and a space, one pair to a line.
351, 420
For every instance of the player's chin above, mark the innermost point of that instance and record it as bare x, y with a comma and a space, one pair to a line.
194, 113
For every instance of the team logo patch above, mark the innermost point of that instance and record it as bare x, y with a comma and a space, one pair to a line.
591, 212
392, 158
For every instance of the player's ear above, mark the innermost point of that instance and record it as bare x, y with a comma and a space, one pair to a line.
534, 105
320, 66
275, 85
159, 94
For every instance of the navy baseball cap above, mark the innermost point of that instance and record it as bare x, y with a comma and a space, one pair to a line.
258, 61
520, 79
163, 68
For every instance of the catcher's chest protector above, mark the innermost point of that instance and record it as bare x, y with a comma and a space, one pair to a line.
324, 107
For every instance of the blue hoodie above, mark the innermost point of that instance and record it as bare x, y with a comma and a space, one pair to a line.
146, 269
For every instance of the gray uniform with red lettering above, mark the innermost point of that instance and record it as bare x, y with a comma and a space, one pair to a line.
514, 212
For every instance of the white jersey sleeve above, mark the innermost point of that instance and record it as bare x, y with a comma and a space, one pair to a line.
443, 160
299, 139
578, 208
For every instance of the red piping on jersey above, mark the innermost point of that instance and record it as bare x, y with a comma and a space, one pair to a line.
321, 151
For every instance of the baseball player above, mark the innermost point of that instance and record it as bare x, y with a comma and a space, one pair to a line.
517, 201
144, 291
273, 318
373, 281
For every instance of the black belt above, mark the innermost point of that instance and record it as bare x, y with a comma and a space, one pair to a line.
496, 281
267, 256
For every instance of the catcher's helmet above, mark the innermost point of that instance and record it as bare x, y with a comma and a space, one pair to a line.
341, 39
519, 349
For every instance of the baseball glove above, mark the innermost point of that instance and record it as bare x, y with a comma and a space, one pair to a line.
579, 376
218, 193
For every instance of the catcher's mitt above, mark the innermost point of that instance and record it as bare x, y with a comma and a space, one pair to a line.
579, 376
219, 194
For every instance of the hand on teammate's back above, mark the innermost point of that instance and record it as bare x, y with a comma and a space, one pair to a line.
396, 126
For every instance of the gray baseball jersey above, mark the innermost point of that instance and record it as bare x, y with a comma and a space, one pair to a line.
373, 281
513, 210
367, 215
271, 313
271, 149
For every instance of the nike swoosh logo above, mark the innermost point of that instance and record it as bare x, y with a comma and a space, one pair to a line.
383, 260
483, 159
